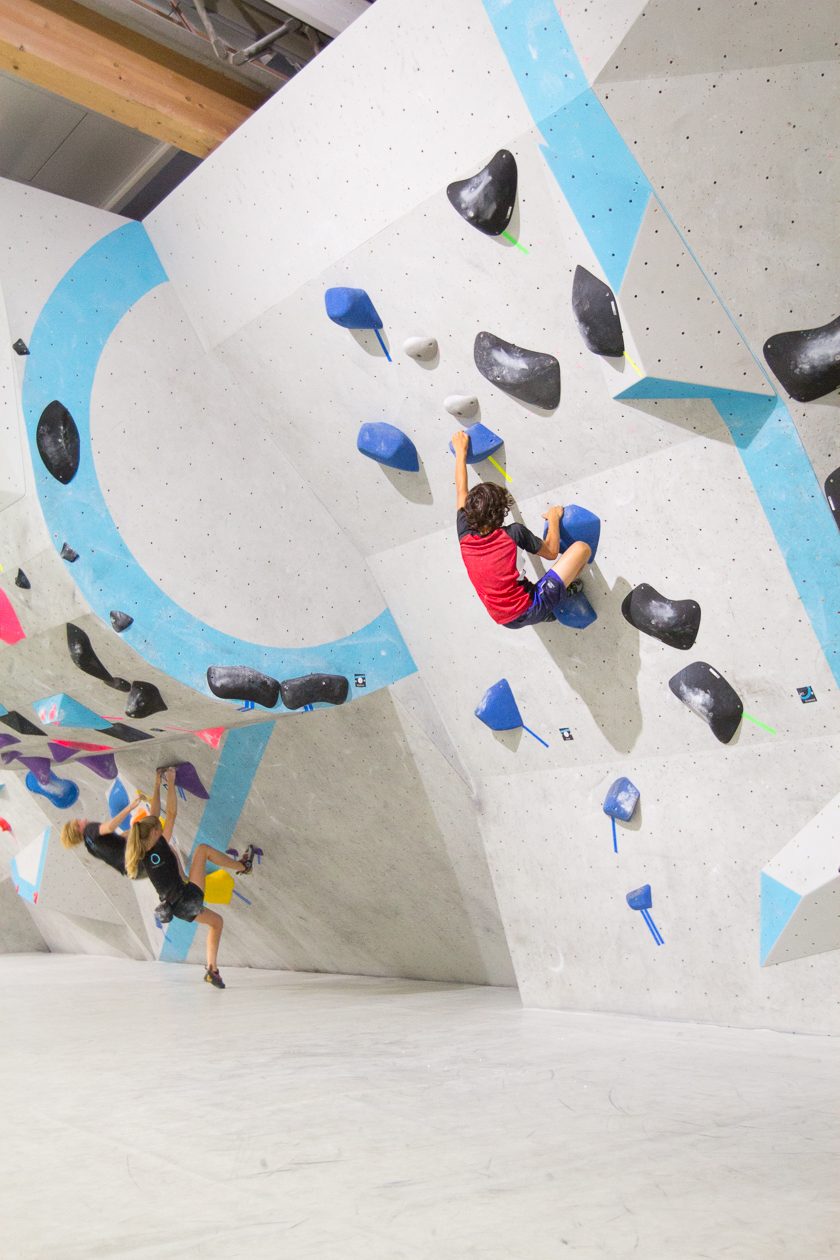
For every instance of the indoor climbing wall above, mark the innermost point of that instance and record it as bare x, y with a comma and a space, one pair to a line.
270, 375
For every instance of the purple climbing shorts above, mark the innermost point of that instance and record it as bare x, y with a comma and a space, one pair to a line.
548, 595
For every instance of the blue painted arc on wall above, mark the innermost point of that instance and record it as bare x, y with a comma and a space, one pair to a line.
65, 348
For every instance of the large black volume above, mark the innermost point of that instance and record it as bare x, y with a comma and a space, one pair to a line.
58, 442
85, 658
807, 362
240, 682
709, 695
486, 200
595, 310
144, 699
672, 621
314, 689
528, 375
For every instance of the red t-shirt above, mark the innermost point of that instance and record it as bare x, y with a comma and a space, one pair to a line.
492, 569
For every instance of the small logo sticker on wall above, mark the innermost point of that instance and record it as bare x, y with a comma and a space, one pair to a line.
361, 680
566, 732
806, 694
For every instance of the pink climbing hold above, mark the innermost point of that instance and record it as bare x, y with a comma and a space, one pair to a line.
11, 631
4, 826
212, 735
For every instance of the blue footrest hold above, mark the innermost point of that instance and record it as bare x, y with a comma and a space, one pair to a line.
576, 612
621, 800
351, 308
483, 442
498, 708
388, 445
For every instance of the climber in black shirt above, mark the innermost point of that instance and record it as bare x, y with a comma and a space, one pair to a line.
148, 851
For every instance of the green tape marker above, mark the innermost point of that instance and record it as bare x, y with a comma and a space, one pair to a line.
514, 241
764, 727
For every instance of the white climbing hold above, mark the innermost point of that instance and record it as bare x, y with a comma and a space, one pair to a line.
461, 405
421, 347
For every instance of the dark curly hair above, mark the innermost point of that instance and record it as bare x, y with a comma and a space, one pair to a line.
486, 507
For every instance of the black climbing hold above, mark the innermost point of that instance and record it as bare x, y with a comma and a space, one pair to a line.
144, 699
240, 682
710, 696
672, 621
128, 734
314, 689
21, 724
58, 442
832, 493
593, 303
68, 554
486, 200
528, 375
85, 658
20, 346
120, 620
22, 581
807, 362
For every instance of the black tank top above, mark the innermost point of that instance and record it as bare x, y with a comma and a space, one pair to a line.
161, 866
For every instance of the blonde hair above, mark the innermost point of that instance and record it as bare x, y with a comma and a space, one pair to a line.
72, 833
135, 845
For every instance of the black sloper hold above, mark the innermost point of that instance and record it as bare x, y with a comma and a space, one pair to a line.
68, 554
21, 724
807, 362
120, 620
486, 200
529, 375
314, 689
710, 696
832, 493
57, 439
84, 657
144, 699
23, 581
595, 310
672, 621
240, 682
128, 734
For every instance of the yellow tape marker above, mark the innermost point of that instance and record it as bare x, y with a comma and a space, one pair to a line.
492, 461
639, 371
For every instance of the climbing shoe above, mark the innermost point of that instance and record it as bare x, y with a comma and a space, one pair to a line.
575, 588
214, 978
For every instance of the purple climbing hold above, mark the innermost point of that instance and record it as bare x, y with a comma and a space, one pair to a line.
39, 766
186, 778
8, 739
102, 764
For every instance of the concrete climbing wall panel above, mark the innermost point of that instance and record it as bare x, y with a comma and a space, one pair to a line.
420, 82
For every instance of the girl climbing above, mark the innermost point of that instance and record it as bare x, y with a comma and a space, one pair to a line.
148, 852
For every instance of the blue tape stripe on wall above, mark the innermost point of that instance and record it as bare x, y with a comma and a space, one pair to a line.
65, 347
238, 764
608, 193
601, 180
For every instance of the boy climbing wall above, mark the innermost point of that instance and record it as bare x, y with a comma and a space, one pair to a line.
488, 549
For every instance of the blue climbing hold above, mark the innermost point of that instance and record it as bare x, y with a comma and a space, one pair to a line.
483, 442
388, 445
621, 800
117, 801
578, 524
640, 898
63, 793
575, 611
498, 708
351, 308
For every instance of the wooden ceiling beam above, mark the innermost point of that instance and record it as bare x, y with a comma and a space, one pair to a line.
98, 64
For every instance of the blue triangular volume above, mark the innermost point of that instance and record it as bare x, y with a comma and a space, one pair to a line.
778, 904
498, 708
